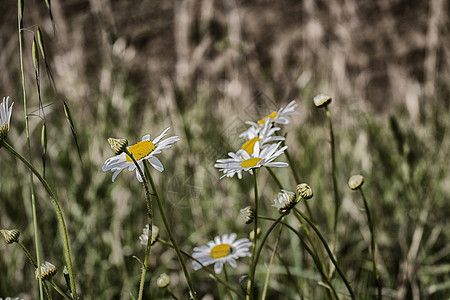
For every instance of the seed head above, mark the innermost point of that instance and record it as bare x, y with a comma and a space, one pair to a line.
11, 236
322, 100
118, 145
355, 182
305, 191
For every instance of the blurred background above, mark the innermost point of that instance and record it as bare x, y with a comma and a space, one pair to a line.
204, 67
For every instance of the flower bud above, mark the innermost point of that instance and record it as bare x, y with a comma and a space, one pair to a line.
48, 270
11, 236
163, 280
305, 191
322, 100
118, 145
248, 214
285, 200
252, 234
144, 236
355, 182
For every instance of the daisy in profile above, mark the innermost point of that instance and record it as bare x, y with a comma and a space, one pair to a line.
284, 200
5, 117
224, 249
145, 149
264, 134
242, 161
277, 117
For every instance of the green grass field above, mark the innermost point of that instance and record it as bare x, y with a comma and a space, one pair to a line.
203, 68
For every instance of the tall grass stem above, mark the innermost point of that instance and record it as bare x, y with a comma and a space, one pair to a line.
20, 7
58, 213
169, 231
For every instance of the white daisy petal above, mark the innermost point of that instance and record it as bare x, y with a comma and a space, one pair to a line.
218, 267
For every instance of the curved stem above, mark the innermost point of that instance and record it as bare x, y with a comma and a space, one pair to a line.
253, 262
306, 247
58, 213
372, 244
150, 223
330, 253
214, 275
169, 231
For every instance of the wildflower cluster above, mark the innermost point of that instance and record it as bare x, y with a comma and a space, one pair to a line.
261, 147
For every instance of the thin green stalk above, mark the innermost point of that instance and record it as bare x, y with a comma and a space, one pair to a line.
20, 7
58, 213
28, 254
333, 172
306, 247
266, 282
372, 244
169, 231
227, 280
319, 251
33, 262
212, 273
330, 253
252, 266
150, 223
58, 289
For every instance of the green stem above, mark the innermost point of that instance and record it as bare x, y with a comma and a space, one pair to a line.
33, 262
330, 253
253, 262
28, 254
169, 231
58, 212
58, 289
212, 273
266, 282
372, 244
150, 223
306, 247
227, 280
27, 129
333, 172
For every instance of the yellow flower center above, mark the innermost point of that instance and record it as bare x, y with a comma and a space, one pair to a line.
250, 163
141, 150
221, 250
250, 145
272, 116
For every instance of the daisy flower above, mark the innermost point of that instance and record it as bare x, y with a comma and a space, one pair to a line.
277, 117
5, 117
242, 161
263, 134
221, 250
145, 149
